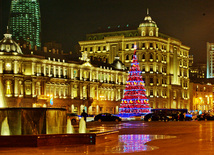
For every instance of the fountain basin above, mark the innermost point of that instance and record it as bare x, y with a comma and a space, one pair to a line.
57, 139
33, 121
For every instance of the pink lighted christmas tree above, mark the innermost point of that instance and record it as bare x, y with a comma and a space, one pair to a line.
134, 100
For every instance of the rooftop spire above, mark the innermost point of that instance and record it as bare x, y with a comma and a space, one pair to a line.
7, 34
7, 30
147, 11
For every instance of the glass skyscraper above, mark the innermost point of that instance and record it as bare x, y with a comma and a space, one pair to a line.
25, 21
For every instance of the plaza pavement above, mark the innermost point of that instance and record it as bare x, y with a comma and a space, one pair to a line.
182, 138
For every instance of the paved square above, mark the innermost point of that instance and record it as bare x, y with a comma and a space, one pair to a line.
194, 137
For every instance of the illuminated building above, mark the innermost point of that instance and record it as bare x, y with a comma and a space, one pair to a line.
163, 60
210, 60
198, 72
25, 22
201, 97
45, 78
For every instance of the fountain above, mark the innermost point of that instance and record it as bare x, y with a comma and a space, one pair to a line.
82, 125
70, 128
5, 131
1, 95
33, 127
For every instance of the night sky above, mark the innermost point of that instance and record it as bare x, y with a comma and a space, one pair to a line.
68, 21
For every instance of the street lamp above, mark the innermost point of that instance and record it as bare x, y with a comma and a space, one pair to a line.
209, 100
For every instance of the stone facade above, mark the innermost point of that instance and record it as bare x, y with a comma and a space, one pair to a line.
163, 60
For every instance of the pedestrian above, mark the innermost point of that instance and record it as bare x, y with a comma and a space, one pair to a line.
84, 114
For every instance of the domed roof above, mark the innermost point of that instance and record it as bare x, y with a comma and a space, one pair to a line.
148, 22
8, 45
117, 64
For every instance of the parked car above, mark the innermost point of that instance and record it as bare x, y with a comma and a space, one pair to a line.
205, 117
90, 118
106, 117
73, 117
151, 117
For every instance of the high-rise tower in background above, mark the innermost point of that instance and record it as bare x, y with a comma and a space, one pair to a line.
25, 21
210, 60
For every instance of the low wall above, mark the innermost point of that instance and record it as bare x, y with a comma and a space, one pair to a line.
57, 139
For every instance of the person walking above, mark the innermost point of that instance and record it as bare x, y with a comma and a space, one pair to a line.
84, 114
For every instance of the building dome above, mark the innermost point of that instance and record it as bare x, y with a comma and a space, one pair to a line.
148, 22
148, 27
117, 64
9, 45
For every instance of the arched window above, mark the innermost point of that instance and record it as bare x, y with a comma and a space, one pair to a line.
8, 87
143, 33
127, 57
143, 56
127, 46
95, 38
151, 33
143, 68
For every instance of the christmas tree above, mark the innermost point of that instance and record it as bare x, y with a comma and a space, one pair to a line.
134, 100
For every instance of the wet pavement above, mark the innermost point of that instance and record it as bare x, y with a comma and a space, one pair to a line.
143, 138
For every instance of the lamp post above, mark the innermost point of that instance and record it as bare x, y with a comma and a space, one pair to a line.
209, 101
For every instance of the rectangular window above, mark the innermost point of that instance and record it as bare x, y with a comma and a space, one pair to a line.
151, 80
151, 92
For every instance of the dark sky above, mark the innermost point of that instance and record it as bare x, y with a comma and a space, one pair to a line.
68, 21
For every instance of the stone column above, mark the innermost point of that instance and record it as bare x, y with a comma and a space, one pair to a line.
116, 94
59, 71
44, 70
81, 91
116, 79
33, 88
71, 88
90, 75
1, 66
80, 74
97, 109
54, 71
97, 75
97, 95
33, 66
72, 73
15, 67
49, 70
16, 87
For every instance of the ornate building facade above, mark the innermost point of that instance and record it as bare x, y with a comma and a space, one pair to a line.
44, 78
164, 60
